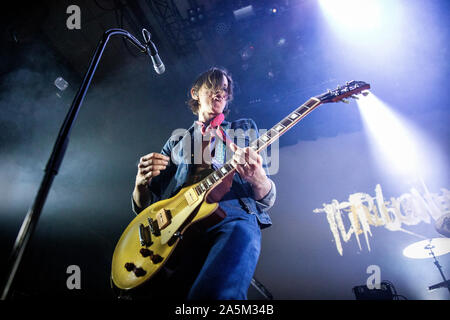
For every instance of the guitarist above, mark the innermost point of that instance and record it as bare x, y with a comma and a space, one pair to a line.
225, 264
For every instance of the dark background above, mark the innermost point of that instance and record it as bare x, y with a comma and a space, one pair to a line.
130, 111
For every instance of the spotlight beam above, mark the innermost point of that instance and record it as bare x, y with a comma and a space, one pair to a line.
395, 141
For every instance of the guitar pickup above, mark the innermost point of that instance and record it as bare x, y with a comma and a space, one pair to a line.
163, 217
145, 237
154, 228
191, 196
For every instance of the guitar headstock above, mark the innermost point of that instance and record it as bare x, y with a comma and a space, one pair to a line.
351, 89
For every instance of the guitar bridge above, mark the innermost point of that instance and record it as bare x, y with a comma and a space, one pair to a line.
145, 236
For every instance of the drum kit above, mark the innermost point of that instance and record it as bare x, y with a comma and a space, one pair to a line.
432, 248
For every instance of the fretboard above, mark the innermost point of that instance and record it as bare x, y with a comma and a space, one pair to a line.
261, 143
284, 125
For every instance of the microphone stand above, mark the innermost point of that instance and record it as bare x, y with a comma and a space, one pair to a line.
59, 149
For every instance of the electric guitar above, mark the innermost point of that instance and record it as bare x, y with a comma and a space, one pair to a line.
153, 235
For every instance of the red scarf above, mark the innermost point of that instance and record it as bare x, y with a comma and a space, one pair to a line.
214, 129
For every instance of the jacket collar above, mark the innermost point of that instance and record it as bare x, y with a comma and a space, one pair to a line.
225, 124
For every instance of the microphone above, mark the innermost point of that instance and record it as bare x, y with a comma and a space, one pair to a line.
158, 65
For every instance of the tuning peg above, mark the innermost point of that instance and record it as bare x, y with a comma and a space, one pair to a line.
354, 97
345, 101
365, 93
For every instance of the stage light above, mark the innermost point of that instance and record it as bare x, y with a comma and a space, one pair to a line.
354, 15
244, 13
61, 84
222, 28
281, 42
196, 16
275, 10
394, 140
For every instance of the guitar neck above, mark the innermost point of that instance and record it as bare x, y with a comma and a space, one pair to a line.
284, 125
350, 89
261, 143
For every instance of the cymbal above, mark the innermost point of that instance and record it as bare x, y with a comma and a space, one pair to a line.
421, 249
442, 225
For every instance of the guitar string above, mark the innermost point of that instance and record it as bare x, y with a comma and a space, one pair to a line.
257, 144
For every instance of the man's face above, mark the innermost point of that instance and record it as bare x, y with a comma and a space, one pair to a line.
212, 101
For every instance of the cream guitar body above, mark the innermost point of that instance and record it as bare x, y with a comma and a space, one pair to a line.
153, 235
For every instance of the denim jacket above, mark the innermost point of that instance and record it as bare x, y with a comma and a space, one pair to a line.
180, 149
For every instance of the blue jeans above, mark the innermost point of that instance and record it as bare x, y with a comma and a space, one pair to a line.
230, 264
